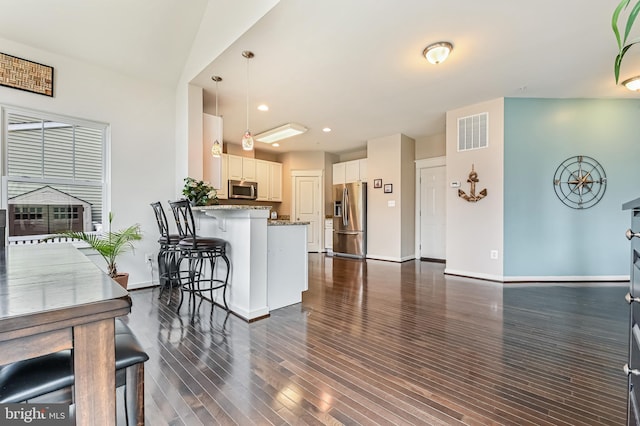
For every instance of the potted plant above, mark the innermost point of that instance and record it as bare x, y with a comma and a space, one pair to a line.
110, 245
199, 192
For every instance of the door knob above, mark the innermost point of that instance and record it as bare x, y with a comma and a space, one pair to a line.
630, 234
628, 371
630, 299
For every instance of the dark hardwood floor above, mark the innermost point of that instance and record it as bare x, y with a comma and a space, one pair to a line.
386, 343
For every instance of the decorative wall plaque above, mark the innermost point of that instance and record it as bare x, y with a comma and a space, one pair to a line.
26, 75
580, 182
472, 197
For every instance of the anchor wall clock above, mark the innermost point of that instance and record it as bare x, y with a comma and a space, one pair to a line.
580, 182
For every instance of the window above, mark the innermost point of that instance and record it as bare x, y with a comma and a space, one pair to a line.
55, 172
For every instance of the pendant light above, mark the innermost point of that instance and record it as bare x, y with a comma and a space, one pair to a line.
247, 139
216, 148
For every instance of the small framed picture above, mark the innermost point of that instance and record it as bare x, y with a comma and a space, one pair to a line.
388, 188
377, 183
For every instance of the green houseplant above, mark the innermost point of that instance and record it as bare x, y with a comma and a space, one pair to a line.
199, 192
624, 43
109, 245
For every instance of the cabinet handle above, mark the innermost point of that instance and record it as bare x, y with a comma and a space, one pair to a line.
630, 299
628, 371
630, 234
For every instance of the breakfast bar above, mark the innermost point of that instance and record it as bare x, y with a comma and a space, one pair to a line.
268, 265
53, 298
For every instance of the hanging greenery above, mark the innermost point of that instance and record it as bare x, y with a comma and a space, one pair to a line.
623, 42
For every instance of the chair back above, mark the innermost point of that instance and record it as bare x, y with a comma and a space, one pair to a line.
161, 219
184, 218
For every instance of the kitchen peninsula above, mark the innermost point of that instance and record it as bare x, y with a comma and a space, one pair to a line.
268, 259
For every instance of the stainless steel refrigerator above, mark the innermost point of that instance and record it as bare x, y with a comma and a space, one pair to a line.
350, 219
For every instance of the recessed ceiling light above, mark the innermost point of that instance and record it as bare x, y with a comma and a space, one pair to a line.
263, 107
633, 83
275, 144
326, 129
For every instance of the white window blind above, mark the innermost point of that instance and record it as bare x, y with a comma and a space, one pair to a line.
63, 153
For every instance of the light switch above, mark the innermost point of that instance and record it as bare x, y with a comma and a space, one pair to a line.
391, 203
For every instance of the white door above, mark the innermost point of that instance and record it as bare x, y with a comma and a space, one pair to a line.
306, 208
432, 212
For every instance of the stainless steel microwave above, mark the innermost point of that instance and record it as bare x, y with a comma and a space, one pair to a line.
243, 189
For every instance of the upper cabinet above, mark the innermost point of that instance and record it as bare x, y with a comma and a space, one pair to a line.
224, 182
241, 168
350, 171
269, 178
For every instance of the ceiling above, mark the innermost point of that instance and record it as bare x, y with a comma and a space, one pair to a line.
355, 66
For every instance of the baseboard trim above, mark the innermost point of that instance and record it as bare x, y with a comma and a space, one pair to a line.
622, 279
390, 259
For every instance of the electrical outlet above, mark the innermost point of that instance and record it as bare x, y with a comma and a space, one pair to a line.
148, 258
494, 254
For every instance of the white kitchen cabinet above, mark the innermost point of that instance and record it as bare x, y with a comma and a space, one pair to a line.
350, 171
275, 182
263, 178
242, 168
269, 178
223, 191
363, 169
328, 235
338, 173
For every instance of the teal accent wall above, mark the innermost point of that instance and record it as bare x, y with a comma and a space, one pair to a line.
542, 236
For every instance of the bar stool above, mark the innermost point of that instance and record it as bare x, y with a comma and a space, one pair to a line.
168, 253
48, 378
198, 251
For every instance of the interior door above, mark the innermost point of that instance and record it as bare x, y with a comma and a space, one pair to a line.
432, 212
307, 208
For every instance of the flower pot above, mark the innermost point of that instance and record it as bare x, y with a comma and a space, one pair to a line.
122, 279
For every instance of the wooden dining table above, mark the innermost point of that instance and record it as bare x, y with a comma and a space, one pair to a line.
52, 298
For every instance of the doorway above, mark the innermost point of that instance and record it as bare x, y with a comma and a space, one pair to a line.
431, 209
307, 204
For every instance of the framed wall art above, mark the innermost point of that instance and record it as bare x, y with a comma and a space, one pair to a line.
29, 76
377, 183
388, 188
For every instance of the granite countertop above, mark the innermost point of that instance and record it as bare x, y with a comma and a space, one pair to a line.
284, 223
232, 207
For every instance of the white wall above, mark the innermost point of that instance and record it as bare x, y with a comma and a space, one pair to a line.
221, 25
474, 229
141, 116
390, 233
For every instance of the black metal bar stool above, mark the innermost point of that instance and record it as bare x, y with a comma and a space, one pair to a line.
168, 253
198, 251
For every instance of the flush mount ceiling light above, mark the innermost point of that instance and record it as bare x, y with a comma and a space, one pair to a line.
282, 132
437, 52
632, 83
247, 139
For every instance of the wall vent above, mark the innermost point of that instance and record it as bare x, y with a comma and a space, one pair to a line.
473, 132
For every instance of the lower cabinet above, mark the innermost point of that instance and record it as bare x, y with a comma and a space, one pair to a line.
632, 367
328, 235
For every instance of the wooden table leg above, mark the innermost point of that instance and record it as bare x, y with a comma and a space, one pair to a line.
94, 369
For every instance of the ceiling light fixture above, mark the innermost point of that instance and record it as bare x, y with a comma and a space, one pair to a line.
632, 83
326, 129
247, 139
282, 132
216, 148
437, 52
275, 144
263, 107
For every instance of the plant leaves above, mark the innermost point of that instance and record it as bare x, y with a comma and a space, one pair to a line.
618, 62
631, 20
614, 21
